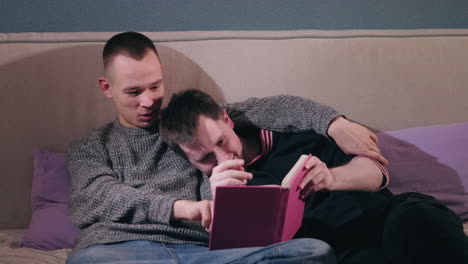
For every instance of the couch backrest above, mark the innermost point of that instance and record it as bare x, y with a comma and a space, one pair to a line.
384, 79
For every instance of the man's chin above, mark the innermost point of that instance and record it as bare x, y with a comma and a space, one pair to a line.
148, 123
145, 124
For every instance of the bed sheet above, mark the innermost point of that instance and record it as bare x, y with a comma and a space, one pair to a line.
12, 253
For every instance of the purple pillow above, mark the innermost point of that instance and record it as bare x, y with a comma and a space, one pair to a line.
431, 160
50, 226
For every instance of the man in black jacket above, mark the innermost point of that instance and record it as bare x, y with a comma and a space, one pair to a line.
347, 204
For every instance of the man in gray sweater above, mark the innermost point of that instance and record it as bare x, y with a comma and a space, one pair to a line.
137, 201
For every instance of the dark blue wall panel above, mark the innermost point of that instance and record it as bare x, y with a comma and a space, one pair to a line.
181, 15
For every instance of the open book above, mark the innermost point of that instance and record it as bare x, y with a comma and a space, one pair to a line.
252, 216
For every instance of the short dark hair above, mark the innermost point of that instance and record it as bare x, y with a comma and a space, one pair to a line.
179, 120
133, 44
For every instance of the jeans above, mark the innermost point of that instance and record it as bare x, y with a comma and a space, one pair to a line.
305, 250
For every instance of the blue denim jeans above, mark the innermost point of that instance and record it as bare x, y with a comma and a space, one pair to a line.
304, 250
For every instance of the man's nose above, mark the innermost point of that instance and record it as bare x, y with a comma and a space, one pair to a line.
146, 100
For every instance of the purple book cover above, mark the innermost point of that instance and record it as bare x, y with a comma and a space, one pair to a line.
252, 216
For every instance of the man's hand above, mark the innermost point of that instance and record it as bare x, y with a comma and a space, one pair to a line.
317, 178
229, 172
355, 139
195, 211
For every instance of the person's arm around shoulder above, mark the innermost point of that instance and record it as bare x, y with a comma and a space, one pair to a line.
285, 113
282, 113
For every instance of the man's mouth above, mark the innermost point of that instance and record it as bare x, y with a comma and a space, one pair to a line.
147, 116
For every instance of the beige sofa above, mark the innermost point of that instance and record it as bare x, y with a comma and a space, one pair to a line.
387, 80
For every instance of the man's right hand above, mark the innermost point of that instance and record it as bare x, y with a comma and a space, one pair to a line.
353, 138
229, 172
200, 211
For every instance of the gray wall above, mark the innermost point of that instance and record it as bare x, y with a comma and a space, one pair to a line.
182, 15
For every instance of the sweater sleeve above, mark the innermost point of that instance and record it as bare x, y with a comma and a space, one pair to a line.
97, 195
282, 113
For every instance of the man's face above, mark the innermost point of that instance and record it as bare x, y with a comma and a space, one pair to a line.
215, 141
136, 87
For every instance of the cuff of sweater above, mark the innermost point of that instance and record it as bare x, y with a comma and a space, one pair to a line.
160, 210
328, 118
385, 173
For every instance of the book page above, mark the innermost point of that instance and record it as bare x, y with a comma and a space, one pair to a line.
288, 179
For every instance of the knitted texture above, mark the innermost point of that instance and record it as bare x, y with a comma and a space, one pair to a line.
287, 114
124, 183
125, 180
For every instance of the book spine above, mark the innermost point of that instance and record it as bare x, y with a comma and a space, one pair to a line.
294, 212
281, 219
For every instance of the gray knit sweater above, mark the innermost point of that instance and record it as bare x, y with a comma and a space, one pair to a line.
125, 180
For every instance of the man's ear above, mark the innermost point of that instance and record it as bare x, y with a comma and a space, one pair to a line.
227, 119
105, 86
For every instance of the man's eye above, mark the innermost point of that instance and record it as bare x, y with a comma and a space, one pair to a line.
154, 87
206, 158
133, 93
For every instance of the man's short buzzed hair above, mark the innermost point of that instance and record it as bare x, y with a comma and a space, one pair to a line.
179, 120
133, 44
